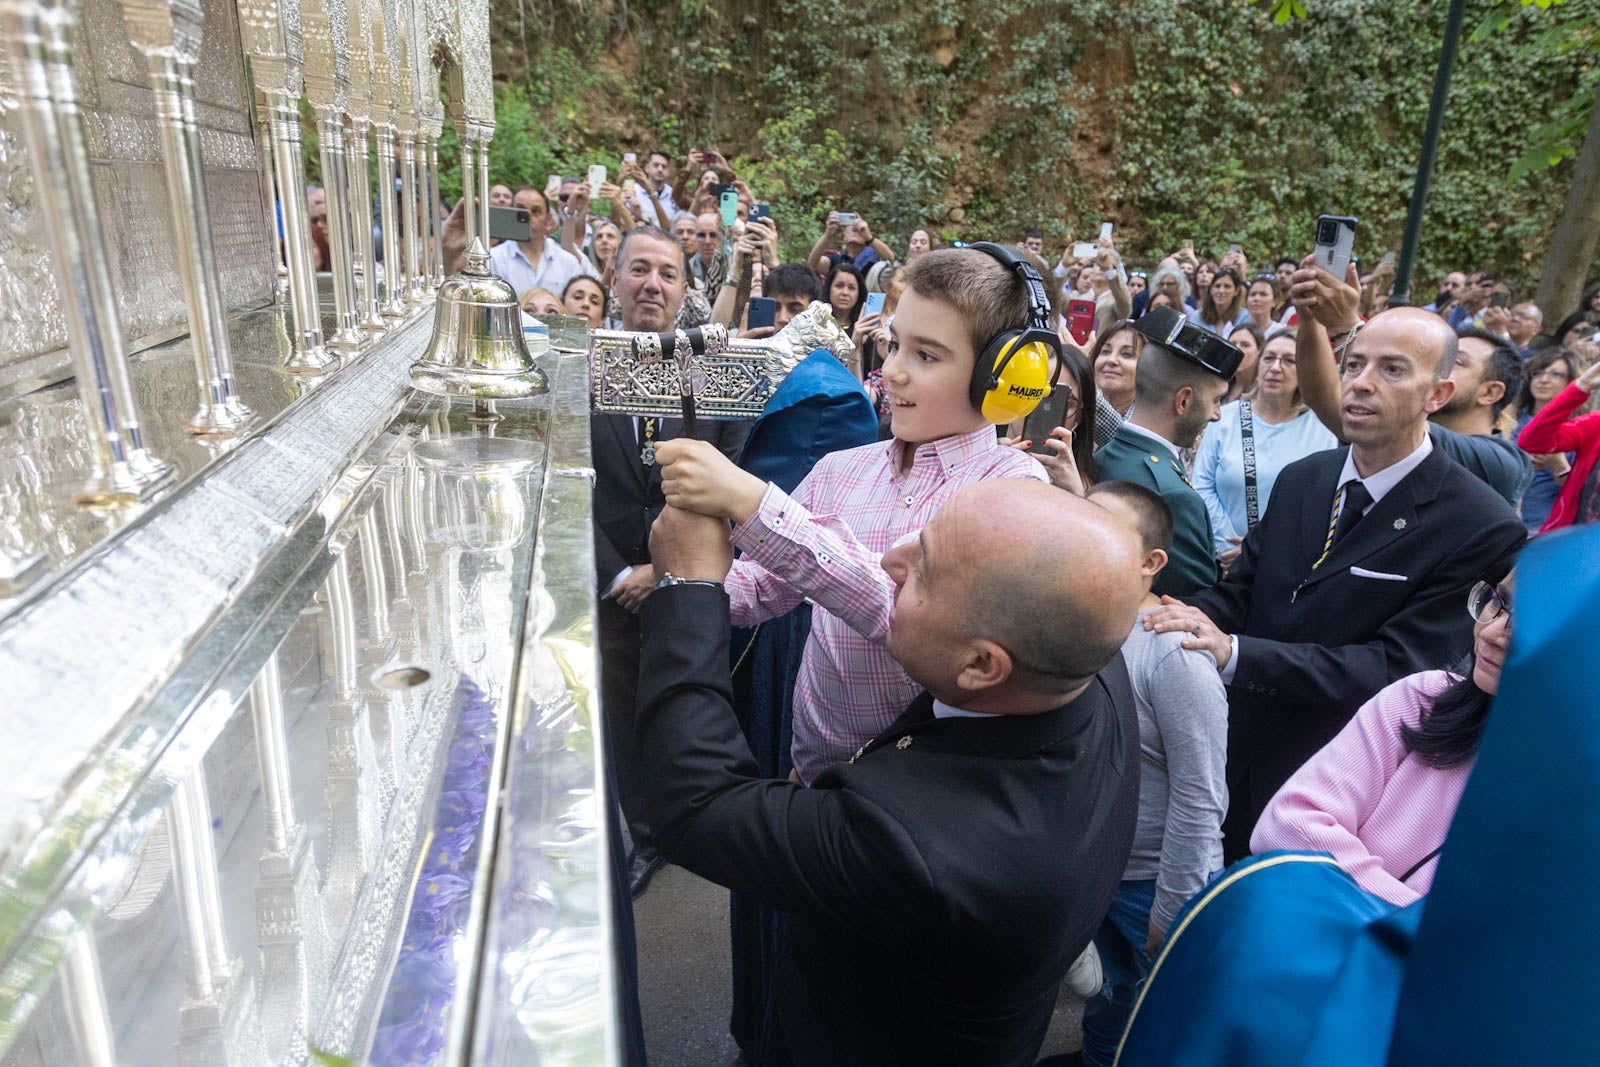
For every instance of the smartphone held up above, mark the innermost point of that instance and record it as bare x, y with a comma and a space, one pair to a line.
1336, 242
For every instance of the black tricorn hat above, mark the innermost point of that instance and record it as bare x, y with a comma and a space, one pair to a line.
1170, 329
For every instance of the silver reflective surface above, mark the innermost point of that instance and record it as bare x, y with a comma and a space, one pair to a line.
368, 795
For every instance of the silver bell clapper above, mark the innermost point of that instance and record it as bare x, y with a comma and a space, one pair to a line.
477, 348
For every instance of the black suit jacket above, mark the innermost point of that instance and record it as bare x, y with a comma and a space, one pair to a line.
939, 886
1315, 645
627, 494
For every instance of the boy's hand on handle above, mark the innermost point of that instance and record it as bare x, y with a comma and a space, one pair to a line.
696, 477
689, 546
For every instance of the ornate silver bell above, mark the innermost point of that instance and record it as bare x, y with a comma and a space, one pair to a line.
477, 348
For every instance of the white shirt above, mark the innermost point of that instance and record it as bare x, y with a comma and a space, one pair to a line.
556, 267
647, 208
941, 710
1378, 485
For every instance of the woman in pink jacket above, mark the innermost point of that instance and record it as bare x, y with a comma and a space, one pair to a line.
1552, 431
1380, 796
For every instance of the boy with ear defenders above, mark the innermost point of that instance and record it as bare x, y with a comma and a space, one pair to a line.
970, 348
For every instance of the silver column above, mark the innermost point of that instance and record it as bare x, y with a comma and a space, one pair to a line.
472, 214
168, 33
352, 813
436, 246
408, 207
273, 51
394, 277
308, 353
217, 1023
370, 306
288, 923
359, 107
386, 72
84, 994
483, 183
347, 335
123, 469
269, 184
194, 865
427, 205
324, 26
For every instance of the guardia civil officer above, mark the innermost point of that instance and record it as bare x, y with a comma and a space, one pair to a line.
1184, 372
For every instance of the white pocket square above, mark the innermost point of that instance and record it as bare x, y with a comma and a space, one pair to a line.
1362, 572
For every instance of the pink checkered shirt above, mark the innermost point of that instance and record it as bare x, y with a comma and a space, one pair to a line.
826, 542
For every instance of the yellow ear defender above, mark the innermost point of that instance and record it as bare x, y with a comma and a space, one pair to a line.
1012, 374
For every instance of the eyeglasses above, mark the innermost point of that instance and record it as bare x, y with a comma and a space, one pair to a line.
1270, 358
702, 234
1485, 603
1550, 372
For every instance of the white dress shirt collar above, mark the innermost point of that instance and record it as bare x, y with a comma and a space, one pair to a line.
1380, 483
1157, 439
941, 710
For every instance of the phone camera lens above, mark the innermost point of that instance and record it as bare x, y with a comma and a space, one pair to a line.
1327, 233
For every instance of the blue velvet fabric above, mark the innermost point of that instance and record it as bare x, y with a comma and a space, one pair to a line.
819, 408
1283, 961
1506, 967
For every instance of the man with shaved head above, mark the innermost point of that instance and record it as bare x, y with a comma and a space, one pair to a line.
940, 884
1359, 573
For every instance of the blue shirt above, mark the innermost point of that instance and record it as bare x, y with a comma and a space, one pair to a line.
1219, 464
556, 267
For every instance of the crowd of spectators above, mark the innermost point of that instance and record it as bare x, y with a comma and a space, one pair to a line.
1323, 497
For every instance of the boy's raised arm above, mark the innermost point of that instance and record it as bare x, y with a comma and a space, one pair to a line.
803, 555
818, 556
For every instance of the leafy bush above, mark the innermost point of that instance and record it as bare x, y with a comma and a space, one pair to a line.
1177, 121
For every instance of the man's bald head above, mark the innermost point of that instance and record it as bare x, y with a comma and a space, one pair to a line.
1043, 575
1440, 339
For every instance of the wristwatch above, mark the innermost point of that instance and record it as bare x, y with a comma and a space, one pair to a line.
668, 578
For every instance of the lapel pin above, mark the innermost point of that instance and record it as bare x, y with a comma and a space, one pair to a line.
904, 743
1399, 524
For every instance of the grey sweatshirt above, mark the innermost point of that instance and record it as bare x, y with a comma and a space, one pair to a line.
1183, 748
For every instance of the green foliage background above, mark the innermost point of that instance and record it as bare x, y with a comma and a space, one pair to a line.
1179, 121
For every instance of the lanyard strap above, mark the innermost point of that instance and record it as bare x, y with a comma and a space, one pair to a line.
1333, 527
1247, 441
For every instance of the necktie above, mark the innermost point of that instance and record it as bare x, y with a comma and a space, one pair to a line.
1356, 499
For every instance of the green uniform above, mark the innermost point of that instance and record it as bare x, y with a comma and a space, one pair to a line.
1130, 456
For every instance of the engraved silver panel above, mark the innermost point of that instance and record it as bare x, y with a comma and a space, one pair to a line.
125, 147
